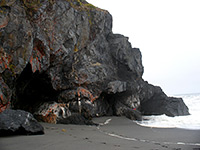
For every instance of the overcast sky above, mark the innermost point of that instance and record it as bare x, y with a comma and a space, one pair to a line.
168, 35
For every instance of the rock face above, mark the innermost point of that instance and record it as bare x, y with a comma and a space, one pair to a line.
64, 51
14, 122
160, 103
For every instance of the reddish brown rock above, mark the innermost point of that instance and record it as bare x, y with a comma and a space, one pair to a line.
52, 112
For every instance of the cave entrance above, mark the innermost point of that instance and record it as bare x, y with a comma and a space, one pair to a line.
32, 89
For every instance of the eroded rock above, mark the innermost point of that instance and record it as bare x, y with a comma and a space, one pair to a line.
51, 112
15, 122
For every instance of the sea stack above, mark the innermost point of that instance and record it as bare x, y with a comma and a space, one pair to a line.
60, 61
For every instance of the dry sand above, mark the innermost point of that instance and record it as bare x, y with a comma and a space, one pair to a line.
115, 133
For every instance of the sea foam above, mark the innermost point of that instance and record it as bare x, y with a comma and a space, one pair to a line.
191, 121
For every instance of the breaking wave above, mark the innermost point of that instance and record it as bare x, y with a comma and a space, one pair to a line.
191, 121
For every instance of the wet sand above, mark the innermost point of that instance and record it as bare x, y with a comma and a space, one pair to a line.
114, 133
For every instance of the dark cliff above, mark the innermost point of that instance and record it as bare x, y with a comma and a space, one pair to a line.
60, 60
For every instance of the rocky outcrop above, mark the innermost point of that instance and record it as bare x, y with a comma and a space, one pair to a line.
14, 122
64, 53
160, 103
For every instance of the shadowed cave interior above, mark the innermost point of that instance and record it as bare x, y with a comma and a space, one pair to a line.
33, 89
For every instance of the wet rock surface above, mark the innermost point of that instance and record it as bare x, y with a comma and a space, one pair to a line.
64, 51
14, 122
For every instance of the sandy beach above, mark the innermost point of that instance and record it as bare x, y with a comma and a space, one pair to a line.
114, 133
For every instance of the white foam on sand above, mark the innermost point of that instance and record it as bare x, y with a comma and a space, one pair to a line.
187, 122
114, 135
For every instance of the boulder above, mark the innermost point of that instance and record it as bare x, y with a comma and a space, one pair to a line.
126, 110
160, 104
19, 122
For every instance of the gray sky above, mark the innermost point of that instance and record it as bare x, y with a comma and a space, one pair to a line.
168, 35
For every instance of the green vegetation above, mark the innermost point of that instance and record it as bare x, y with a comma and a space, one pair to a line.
2, 10
12, 69
32, 4
90, 6
6, 2
75, 48
81, 4
2, 3
35, 4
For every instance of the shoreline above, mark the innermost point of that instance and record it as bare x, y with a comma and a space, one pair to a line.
114, 133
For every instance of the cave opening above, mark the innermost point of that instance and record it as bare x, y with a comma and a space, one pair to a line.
33, 89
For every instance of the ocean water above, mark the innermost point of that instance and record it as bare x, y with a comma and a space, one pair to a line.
187, 122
